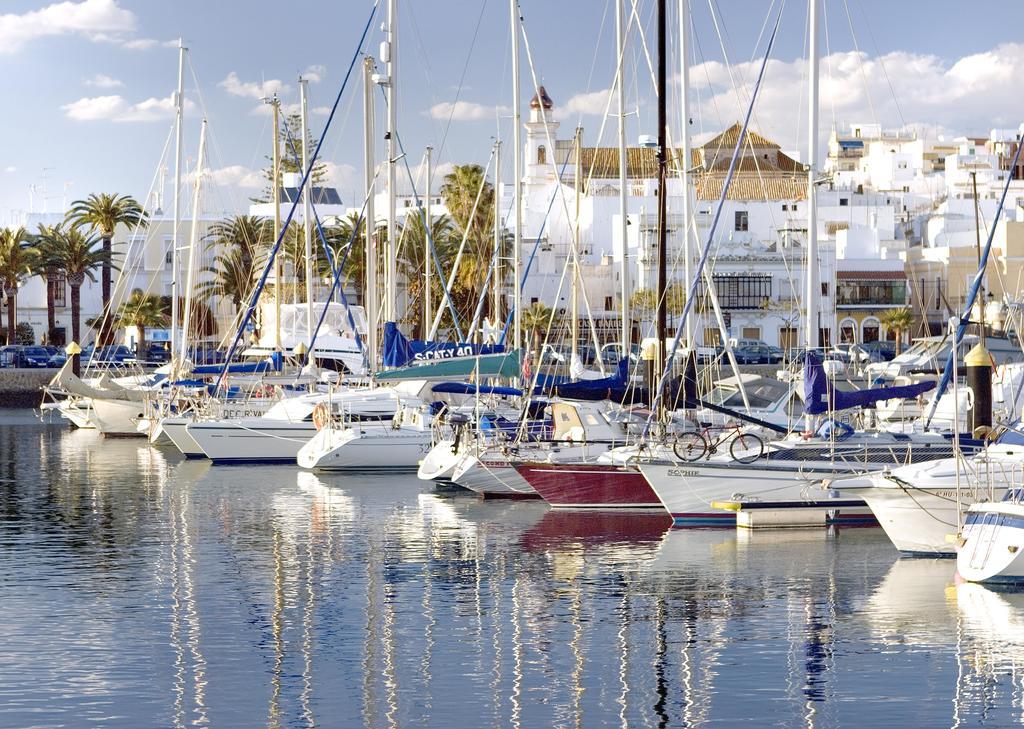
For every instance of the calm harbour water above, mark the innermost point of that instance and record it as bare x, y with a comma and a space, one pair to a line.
138, 589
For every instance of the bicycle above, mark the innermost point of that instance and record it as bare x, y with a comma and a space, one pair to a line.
694, 445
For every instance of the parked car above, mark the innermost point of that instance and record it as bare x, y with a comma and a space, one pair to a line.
756, 354
156, 353
57, 356
880, 351
25, 356
112, 354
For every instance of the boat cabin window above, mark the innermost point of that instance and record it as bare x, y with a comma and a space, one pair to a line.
1013, 435
760, 394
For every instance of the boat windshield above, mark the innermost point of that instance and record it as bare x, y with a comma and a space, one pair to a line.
1013, 435
760, 393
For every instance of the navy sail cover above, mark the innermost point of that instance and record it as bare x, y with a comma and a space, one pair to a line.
400, 351
821, 397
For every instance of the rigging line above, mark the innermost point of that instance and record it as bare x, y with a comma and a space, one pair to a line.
462, 81
881, 63
291, 213
969, 305
828, 61
560, 188
714, 223
860, 57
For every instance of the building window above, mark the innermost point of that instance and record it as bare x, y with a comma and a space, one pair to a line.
824, 288
844, 201
751, 332
57, 284
608, 304
871, 293
869, 330
785, 207
742, 220
542, 155
848, 332
533, 299
747, 291
856, 132
168, 258
712, 337
824, 337
902, 165
788, 337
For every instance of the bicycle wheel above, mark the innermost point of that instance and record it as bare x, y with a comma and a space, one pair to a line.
746, 448
690, 446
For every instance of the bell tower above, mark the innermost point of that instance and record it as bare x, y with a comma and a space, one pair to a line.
539, 157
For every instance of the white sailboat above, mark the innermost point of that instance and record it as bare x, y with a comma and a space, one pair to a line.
989, 546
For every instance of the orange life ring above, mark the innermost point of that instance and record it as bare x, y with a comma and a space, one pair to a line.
321, 416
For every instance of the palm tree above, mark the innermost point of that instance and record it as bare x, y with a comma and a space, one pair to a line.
460, 189
141, 310
231, 277
536, 319
48, 271
412, 258
101, 214
77, 255
643, 302
898, 321
17, 262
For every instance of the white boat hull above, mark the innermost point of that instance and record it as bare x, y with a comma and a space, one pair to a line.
176, 430
254, 440
118, 417
492, 475
440, 463
991, 545
688, 490
366, 448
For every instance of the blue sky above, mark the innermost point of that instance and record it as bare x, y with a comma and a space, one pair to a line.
87, 82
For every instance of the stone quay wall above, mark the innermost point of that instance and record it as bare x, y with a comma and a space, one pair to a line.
23, 388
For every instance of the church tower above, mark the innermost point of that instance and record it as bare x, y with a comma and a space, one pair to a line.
539, 157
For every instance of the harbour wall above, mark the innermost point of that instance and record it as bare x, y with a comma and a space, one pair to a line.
23, 388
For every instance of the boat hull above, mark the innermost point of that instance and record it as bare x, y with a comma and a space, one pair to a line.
176, 430
589, 486
257, 440
118, 418
492, 477
378, 449
991, 545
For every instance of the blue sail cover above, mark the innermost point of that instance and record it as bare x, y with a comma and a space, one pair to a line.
820, 397
617, 387
399, 351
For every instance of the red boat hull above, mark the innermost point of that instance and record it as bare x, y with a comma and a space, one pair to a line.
594, 485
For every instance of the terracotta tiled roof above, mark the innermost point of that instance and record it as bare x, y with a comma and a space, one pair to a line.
899, 275
727, 139
753, 187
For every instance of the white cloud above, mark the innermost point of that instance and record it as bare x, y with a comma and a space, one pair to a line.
344, 177
466, 111
10, 169
594, 103
314, 74
286, 109
236, 176
97, 20
321, 110
971, 95
252, 89
116, 108
102, 81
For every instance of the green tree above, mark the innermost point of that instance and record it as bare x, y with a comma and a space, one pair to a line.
46, 269
78, 255
412, 260
291, 158
101, 214
242, 243
898, 321
643, 303
18, 261
536, 319
460, 189
141, 310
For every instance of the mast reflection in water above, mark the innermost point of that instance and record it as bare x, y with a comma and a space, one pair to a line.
139, 589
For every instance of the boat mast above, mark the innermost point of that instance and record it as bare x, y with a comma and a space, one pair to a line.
624, 273
496, 284
179, 113
813, 291
517, 172
684, 166
574, 358
307, 215
427, 258
390, 57
662, 192
193, 243
370, 270
275, 186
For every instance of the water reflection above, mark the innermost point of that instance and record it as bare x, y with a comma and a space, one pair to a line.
144, 590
